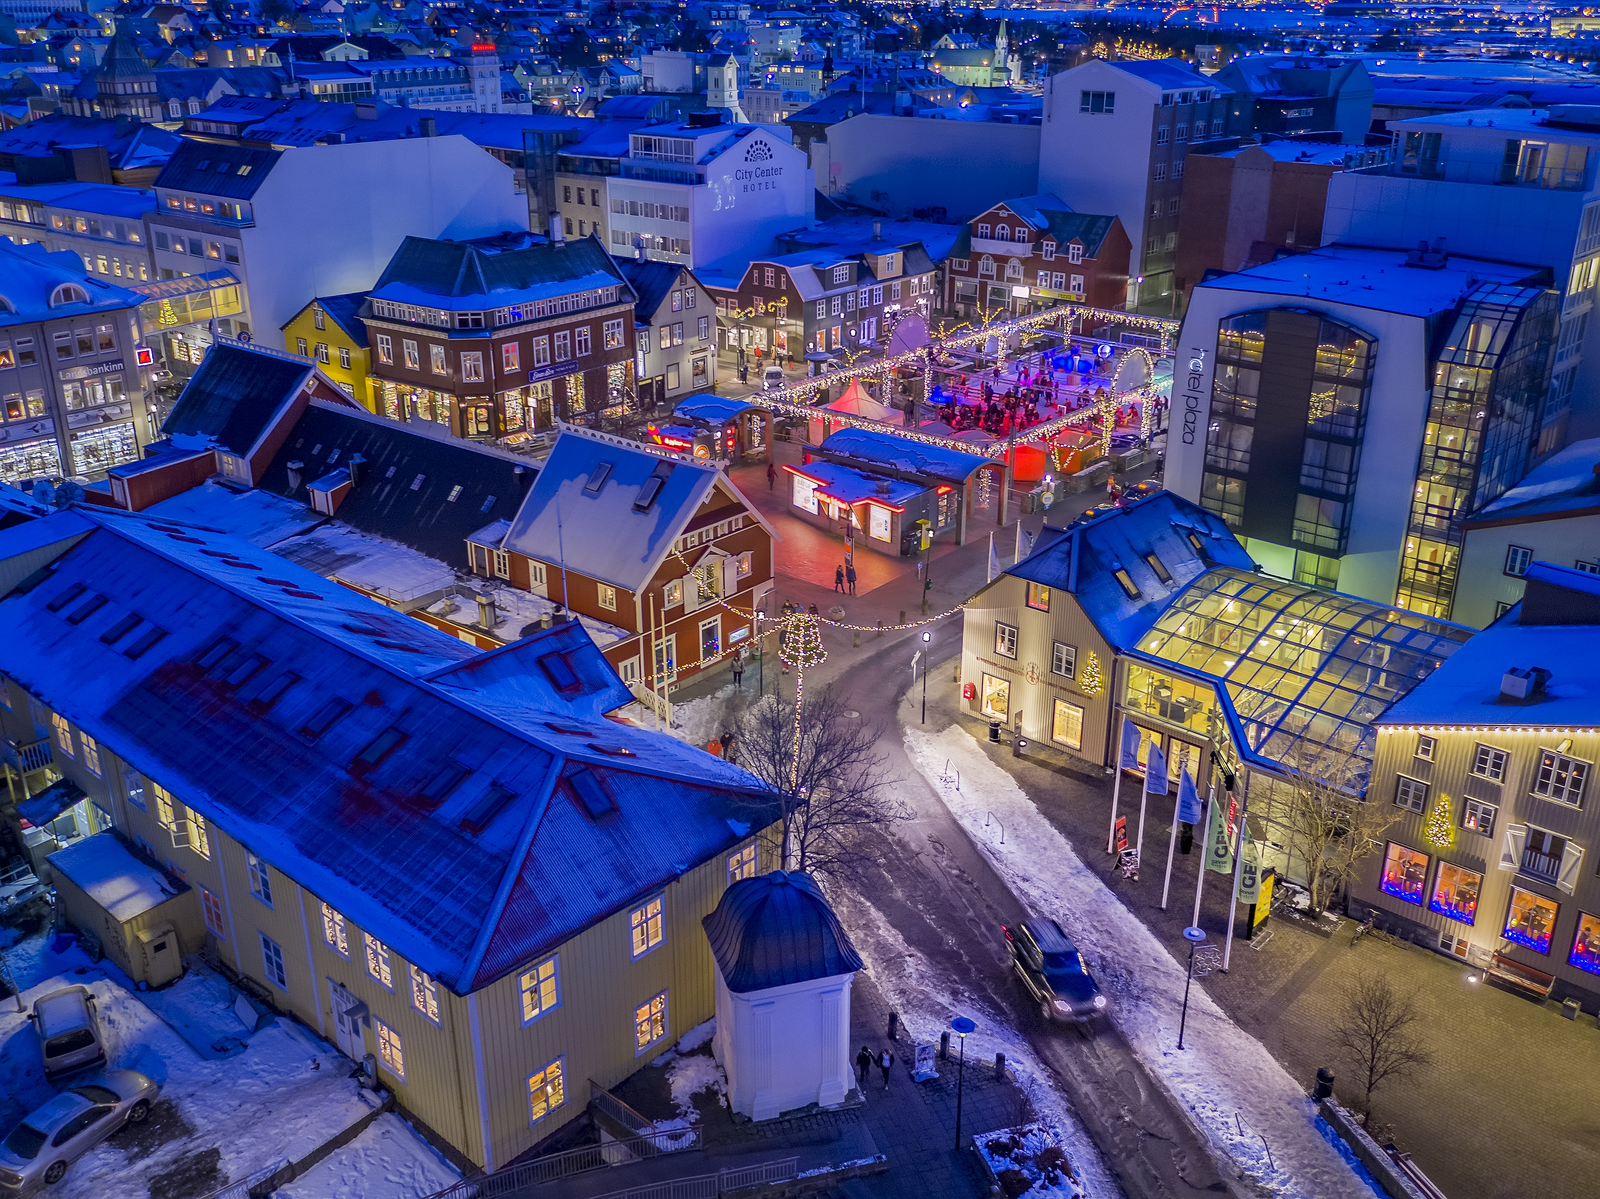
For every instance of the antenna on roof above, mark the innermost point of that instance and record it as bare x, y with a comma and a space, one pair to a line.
561, 554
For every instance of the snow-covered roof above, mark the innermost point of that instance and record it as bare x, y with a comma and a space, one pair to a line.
775, 930
1466, 689
107, 873
459, 844
850, 486
1565, 484
235, 396
903, 454
584, 511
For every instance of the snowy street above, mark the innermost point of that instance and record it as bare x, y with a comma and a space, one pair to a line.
271, 1096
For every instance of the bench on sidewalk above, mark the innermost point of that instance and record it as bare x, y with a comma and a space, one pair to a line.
1535, 984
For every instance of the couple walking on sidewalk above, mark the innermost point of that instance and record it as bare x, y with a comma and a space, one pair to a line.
864, 1063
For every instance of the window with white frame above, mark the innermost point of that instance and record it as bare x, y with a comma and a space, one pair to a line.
1410, 793
646, 926
385, 349
134, 789
502, 564
260, 876
272, 962
547, 1090
472, 367
650, 1022
391, 1052
613, 334
1005, 640
91, 752
334, 933
211, 908
541, 990
425, 995
1560, 778
1479, 816
199, 834
1063, 659
1489, 763
1425, 748
1518, 558
742, 864
583, 345
378, 961
607, 597
63, 731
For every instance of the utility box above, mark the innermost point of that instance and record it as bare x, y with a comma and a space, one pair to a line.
163, 962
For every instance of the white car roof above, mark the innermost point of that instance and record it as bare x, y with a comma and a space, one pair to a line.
62, 1012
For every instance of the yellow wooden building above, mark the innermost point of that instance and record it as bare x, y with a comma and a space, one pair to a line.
329, 331
451, 860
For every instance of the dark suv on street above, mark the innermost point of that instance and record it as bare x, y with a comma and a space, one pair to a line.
1053, 970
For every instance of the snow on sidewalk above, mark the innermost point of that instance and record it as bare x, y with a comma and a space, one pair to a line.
387, 1161
923, 994
1223, 1070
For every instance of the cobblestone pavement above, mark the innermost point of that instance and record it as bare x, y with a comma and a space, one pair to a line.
1505, 1109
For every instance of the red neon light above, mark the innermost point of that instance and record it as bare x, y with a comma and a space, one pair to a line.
944, 489
145, 356
480, 47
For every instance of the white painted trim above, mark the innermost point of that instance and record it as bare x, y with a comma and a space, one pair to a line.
483, 1084
227, 902
311, 962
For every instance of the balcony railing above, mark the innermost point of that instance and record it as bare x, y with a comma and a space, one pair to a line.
1490, 174
26, 758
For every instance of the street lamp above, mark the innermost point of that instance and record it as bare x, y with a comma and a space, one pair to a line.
927, 637
1194, 936
962, 1027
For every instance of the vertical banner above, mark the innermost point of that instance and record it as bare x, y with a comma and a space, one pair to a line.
1219, 855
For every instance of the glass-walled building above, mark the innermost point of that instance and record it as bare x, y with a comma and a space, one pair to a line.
1343, 410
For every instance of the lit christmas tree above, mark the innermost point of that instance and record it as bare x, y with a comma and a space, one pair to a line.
1440, 831
1091, 680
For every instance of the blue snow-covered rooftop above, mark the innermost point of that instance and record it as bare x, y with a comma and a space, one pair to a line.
1466, 689
236, 395
904, 454
470, 810
1565, 484
714, 410
775, 930
597, 507
1298, 670
851, 486
464, 276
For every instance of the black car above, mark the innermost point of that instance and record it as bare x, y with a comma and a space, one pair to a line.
1053, 970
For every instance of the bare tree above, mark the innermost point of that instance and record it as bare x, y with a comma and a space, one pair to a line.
1379, 1032
841, 788
1330, 824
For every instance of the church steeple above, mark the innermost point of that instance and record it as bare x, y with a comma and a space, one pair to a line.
124, 83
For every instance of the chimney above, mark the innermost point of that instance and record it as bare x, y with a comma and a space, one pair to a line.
877, 230
296, 475
353, 465
556, 238
429, 126
486, 613
1439, 245
1518, 686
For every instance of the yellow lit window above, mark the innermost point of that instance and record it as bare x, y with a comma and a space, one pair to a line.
546, 1090
334, 932
390, 1051
63, 728
541, 990
165, 812
650, 1022
742, 864
645, 923
1039, 597
378, 961
91, 752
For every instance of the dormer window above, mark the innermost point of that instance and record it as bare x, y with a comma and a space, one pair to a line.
1075, 252
841, 274
1049, 249
68, 293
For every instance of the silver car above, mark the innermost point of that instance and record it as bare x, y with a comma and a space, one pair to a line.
42, 1147
69, 1031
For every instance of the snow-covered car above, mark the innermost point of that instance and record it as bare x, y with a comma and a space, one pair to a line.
1054, 972
42, 1147
69, 1032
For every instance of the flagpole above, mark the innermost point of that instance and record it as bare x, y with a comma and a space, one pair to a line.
1205, 857
1238, 870
1144, 796
1116, 787
1019, 541
1172, 842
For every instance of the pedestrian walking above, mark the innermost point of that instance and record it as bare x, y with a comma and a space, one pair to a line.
772, 476
738, 668
744, 373
726, 740
850, 577
838, 578
884, 1062
863, 1066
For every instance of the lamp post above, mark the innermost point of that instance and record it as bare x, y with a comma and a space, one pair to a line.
962, 1027
1194, 936
927, 637
926, 527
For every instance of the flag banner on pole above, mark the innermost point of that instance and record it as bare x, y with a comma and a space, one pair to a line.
994, 560
1188, 799
1130, 745
1220, 855
1155, 770
1250, 873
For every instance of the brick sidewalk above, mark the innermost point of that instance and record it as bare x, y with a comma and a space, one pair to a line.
1503, 1111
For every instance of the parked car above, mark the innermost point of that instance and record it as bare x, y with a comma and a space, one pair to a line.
69, 1032
1054, 972
772, 378
42, 1147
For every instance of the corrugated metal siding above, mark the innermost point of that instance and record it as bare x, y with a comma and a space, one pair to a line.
1451, 772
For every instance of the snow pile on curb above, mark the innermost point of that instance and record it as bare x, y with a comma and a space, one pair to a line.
1033, 1153
922, 994
1224, 1074
388, 1160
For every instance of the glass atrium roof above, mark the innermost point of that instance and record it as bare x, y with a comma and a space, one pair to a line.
1302, 669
